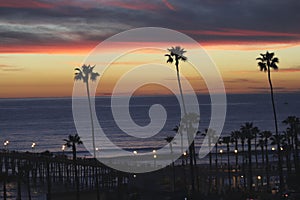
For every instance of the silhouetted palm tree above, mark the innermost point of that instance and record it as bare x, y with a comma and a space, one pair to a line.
279, 141
210, 134
266, 62
248, 130
288, 148
169, 139
176, 53
72, 141
265, 135
255, 133
227, 140
294, 123
235, 139
261, 144
242, 137
85, 74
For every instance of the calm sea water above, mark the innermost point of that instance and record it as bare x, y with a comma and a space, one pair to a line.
48, 121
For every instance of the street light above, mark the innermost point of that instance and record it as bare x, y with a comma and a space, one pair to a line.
135, 152
235, 151
33, 146
6, 143
97, 150
221, 152
63, 147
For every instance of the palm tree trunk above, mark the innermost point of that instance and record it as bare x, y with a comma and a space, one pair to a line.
244, 171
250, 178
91, 117
255, 148
267, 165
296, 149
263, 155
28, 186
173, 168
217, 167
228, 167
184, 110
4, 187
236, 155
276, 129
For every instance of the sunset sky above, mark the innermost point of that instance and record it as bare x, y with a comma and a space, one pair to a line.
42, 41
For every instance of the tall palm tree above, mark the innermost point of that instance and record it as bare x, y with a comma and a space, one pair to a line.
72, 141
176, 53
294, 123
266, 62
169, 139
248, 130
85, 73
227, 140
235, 139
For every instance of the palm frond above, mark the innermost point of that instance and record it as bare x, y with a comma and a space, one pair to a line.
170, 59
94, 76
262, 66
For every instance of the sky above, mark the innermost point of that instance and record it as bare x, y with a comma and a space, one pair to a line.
42, 41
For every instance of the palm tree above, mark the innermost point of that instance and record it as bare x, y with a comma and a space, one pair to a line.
72, 141
288, 148
85, 74
227, 140
266, 62
248, 130
235, 139
169, 139
242, 137
278, 140
265, 135
210, 133
255, 133
176, 53
261, 144
293, 123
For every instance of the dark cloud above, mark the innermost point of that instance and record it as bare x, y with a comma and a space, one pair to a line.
215, 21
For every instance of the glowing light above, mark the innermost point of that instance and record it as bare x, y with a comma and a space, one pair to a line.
221, 150
235, 151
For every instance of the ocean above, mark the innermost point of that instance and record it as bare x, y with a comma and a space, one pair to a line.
47, 121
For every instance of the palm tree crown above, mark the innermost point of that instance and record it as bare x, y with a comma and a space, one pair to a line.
177, 54
267, 61
72, 141
86, 73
